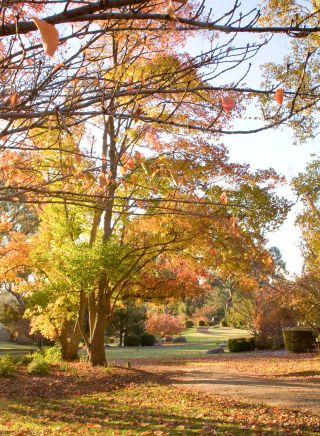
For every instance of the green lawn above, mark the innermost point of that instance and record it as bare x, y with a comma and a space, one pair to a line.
13, 348
197, 345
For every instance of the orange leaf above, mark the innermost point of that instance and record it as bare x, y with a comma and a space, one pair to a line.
49, 36
278, 96
224, 198
14, 99
137, 113
233, 224
130, 163
228, 103
138, 156
56, 68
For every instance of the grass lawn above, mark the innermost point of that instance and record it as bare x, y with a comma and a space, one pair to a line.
198, 343
12, 348
118, 401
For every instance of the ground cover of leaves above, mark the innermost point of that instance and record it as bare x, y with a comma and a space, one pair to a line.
269, 364
257, 363
120, 401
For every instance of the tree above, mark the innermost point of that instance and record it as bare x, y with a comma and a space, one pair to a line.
133, 80
305, 288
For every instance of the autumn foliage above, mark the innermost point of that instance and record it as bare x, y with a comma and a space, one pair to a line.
163, 324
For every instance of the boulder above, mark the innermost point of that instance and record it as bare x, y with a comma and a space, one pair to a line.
217, 350
180, 340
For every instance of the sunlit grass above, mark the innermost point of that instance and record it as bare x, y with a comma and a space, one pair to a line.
198, 343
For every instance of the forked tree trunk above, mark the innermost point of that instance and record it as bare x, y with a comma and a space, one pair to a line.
99, 310
70, 345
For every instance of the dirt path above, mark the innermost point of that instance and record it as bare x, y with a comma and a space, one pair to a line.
294, 393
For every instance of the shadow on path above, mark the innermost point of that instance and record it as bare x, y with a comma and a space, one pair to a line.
281, 392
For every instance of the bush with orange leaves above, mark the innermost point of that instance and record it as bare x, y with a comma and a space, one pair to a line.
163, 324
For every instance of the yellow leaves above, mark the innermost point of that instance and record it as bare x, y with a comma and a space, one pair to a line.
228, 103
171, 10
224, 198
278, 96
49, 36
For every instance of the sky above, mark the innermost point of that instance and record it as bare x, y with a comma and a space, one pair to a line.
272, 148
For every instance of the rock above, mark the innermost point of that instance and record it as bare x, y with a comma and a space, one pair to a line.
217, 350
180, 340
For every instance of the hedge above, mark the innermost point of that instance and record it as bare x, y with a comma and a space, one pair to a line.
299, 340
132, 341
147, 340
241, 344
189, 324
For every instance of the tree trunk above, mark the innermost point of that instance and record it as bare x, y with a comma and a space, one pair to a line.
97, 352
70, 345
71, 351
121, 333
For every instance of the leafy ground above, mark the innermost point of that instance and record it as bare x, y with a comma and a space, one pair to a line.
266, 363
199, 341
119, 401
277, 379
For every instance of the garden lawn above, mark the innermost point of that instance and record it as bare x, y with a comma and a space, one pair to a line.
118, 401
199, 341
13, 348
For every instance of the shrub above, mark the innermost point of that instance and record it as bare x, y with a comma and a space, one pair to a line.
132, 341
180, 340
189, 324
241, 344
53, 354
25, 359
223, 323
38, 366
163, 324
201, 323
147, 340
299, 340
7, 366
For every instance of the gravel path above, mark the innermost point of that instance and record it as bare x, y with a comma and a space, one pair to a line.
282, 392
